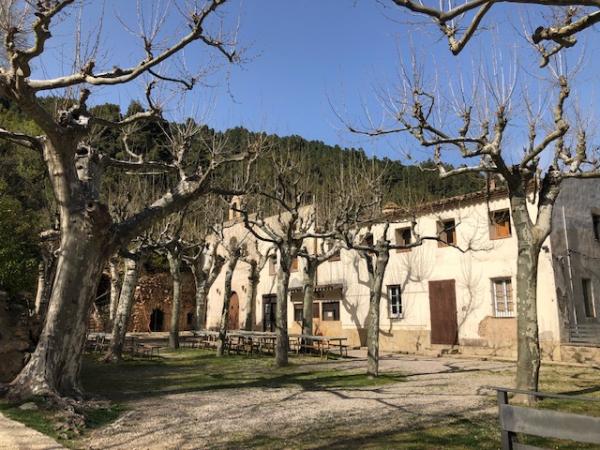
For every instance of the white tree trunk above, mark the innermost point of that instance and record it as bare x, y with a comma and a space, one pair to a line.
115, 286
308, 283
253, 280
281, 319
123, 314
376, 283
226, 298
54, 366
175, 268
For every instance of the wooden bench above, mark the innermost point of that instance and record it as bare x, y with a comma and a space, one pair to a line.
543, 422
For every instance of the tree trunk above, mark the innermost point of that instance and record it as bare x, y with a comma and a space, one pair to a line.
225, 312
46, 273
376, 275
200, 282
528, 345
253, 280
308, 282
281, 322
123, 314
174, 258
54, 366
115, 287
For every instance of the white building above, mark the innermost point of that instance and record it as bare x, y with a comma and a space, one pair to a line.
438, 298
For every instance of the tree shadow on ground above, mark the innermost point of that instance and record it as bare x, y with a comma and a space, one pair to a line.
196, 371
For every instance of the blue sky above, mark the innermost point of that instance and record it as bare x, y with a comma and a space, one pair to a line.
306, 58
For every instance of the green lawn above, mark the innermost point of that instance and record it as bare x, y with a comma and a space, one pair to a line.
198, 370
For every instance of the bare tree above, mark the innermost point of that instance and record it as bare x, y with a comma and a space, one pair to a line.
293, 221
235, 250
88, 234
554, 151
133, 262
46, 271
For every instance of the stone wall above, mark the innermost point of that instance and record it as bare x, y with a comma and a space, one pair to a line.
154, 293
18, 333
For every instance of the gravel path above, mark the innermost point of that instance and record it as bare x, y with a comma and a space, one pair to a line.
435, 390
16, 436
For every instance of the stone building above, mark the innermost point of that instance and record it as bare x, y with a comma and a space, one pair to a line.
437, 298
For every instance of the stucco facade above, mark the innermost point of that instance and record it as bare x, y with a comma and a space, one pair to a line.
483, 276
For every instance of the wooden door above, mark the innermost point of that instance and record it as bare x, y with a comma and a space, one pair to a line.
234, 313
442, 306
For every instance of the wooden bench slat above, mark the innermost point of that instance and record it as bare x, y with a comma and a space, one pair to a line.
551, 424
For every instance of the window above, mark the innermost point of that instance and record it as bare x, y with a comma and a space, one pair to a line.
272, 264
316, 311
294, 266
395, 302
596, 225
331, 311
503, 297
189, 318
500, 224
588, 297
447, 233
298, 312
269, 302
403, 237
368, 240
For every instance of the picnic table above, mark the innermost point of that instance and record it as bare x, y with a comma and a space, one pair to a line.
321, 344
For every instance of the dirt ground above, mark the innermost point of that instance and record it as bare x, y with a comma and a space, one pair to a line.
435, 390
16, 436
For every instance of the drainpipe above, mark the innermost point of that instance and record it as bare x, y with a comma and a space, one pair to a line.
569, 266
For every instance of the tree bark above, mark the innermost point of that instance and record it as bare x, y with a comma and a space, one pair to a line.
54, 366
281, 322
308, 283
528, 345
253, 280
205, 272
46, 273
123, 314
115, 286
174, 257
376, 275
226, 298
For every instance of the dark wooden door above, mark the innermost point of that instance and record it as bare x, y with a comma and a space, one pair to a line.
442, 306
234, 313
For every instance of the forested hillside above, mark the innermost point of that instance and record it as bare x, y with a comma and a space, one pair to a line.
26, 203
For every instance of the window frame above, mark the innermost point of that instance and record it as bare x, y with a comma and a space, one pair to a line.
443, 232
335, 310
391, 296
589, 306
399, 232
493, 225
507, 313
298, 307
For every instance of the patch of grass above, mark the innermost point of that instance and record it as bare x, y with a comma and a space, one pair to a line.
190, 370
41, 420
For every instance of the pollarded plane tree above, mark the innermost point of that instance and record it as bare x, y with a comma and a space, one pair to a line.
89, 236
288, 202
555, 151
201, 255
365, 229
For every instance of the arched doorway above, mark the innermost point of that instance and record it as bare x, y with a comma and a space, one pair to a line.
234, 313
156, 320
